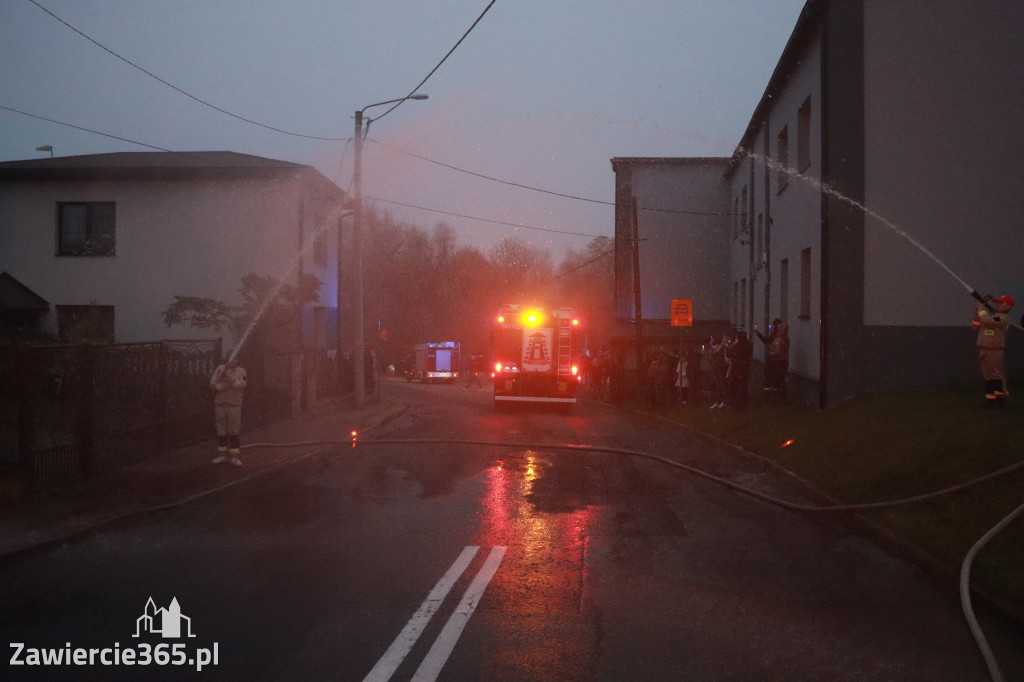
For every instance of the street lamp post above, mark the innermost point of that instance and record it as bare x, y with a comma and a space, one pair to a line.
358, 345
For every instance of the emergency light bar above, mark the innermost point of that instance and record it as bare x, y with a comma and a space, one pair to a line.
532, 318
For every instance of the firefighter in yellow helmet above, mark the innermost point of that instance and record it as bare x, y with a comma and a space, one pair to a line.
991, 327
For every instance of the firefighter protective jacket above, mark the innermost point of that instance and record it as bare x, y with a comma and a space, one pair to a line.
229, 383
991, 329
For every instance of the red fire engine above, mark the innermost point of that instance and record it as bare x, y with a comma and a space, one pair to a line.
535, 355
437, 362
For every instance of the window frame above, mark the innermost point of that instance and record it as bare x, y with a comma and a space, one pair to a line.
99, 238
805, 283
784, 289
782, 157
803, 136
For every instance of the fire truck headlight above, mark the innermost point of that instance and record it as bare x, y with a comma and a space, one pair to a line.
575, 370
497, 368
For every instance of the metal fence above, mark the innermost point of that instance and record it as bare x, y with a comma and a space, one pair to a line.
68, 412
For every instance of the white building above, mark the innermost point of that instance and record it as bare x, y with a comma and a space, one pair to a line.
877, 185
115, 237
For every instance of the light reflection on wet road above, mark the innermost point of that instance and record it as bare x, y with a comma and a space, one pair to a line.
589, 567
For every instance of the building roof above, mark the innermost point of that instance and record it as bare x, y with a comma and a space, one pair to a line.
16, 296
149, 160
807, 26
163, 166
628, 161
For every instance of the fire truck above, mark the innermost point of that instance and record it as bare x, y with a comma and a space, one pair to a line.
436, 362
535, 356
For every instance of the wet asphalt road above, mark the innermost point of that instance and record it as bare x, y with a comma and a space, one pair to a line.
540, 564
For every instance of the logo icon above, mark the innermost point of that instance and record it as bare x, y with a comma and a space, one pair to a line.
537, 357
167, 622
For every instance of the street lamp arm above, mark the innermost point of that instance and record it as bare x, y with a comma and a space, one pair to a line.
390, 101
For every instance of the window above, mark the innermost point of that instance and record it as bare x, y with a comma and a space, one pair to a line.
784, 289
85, 323
803, 136
744, 225
783, 157
85, 228
320, 249
805, 284
319, 327
743, 304
760, 255
735, 302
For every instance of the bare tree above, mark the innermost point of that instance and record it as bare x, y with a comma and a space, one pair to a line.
522, 271
268, 312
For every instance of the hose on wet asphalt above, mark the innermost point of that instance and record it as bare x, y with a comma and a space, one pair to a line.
965, 569
862, 506
965, 595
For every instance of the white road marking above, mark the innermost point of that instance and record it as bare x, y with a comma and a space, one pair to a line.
400, 648
445, 642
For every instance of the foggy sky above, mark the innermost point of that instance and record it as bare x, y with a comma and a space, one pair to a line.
540, 93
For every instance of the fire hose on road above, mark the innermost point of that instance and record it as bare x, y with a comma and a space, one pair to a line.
965, 571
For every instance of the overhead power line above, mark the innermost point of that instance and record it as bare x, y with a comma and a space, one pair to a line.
487, 220
464, 35
544, 191
333, 139
183, 92
580, 266
95, 132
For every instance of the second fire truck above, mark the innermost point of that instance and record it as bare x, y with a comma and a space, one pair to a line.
436, 362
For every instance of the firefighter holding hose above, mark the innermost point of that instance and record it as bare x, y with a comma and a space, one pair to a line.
228, 382
991, 326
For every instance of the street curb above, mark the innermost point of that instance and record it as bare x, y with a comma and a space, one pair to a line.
126, 516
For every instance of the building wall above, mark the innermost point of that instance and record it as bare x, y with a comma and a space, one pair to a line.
777, 248
906, 198
944, 104
173, 237
683, 244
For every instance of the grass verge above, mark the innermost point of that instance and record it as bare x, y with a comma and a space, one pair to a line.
889, 447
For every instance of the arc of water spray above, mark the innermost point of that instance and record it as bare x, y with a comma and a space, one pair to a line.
262, 310
275, 292
832, 192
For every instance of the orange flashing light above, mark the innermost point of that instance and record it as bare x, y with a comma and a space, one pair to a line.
787, 443
532, 318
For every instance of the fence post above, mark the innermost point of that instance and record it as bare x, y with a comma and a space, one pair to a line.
303, 357
28, 401
85, 426
296, 383
161, 398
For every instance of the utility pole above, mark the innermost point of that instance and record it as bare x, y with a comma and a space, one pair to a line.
358, 345
339, 377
